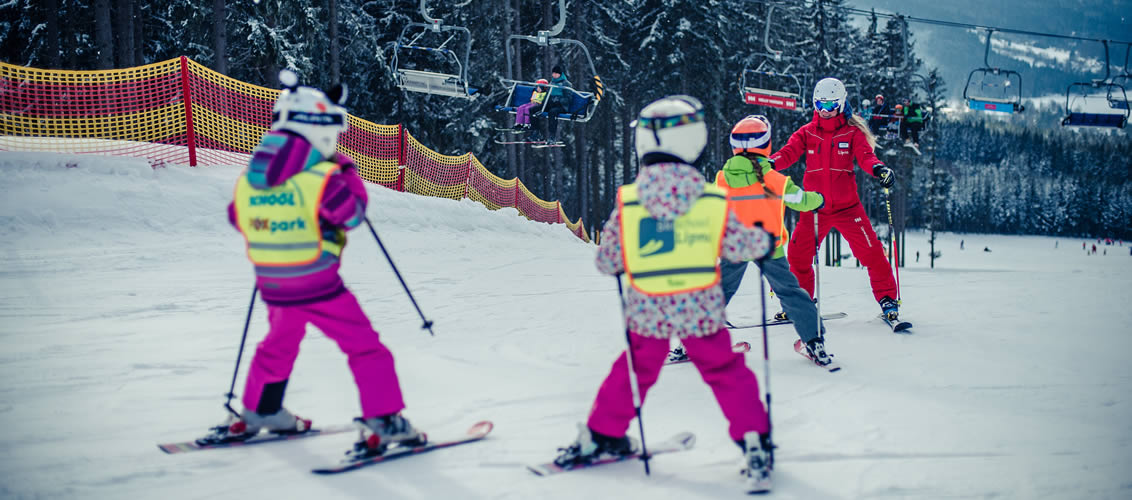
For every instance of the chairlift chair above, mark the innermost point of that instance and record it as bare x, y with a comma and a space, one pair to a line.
451, 83
1122, 80
1115, 97
582, 105
993, 89
789, 94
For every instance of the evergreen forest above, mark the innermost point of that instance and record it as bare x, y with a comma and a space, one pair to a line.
1020, 174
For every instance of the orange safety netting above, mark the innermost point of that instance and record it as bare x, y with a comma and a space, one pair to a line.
180, 112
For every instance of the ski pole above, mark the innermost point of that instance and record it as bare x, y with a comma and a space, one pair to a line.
766, 362
895, 259
240, 354
633, 377
427, 324
817, 271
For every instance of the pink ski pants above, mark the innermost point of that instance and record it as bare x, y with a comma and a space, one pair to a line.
734, 385
343, 321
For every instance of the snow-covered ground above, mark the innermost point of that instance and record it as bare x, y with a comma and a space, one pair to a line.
123, 293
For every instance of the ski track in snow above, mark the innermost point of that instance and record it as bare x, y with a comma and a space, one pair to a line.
123, 292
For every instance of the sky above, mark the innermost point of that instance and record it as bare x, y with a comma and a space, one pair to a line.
123, 293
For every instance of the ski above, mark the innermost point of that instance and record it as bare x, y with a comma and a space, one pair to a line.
897, 326
739, 347
267, 437
775, 322
475, 433
680, 442
800, 348
550, 145
510, 130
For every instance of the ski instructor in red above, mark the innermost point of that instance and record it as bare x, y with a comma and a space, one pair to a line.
831, 141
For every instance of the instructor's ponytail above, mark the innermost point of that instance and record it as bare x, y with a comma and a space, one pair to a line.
857, 121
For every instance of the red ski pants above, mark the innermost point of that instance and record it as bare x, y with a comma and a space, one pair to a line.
734, 384
854, 225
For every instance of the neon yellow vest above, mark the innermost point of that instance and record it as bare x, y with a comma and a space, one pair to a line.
281, 223
677, 256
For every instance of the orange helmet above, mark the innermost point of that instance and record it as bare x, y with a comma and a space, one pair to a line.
899, 107
751, 135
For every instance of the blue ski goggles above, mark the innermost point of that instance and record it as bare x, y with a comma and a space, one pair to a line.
826, 105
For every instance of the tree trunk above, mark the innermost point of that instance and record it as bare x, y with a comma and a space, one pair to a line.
335, 48
103, 34
51, 11
139, 40
124, 31
220, 36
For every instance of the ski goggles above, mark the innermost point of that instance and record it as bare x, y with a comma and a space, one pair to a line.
826, 105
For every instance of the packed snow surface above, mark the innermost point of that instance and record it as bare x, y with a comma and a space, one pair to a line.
123, 293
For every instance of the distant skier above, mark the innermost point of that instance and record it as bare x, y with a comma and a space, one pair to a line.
759, 196
293, 205
986, 249
960, 244
667, 234
831, 141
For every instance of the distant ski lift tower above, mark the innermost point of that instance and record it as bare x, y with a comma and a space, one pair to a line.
993, 89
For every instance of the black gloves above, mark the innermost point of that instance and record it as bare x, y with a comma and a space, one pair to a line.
886, 175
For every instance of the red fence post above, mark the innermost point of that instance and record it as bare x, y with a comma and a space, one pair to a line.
559, 214
399, 185
186, 91
468, 175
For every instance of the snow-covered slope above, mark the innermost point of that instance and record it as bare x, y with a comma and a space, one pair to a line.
123, 293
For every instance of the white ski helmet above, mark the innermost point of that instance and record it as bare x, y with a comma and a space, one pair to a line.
672, 126
830, 90
310, 113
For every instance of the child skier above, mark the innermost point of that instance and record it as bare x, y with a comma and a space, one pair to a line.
758, 196
523, 112
293, 205
831, 142
667, 233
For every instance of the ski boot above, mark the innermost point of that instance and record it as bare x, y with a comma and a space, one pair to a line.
591, 446
377, 434
759, 460
889, 308
677, 355
781, 316
816, 350
250, 423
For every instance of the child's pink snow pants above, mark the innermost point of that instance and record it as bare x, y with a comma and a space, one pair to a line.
343, 321
733, 384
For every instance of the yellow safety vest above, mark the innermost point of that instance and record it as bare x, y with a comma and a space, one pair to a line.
675, 256
281, 223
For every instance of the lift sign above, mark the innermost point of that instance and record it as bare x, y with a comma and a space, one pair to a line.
770, 100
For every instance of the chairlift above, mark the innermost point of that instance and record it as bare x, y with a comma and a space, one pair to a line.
1122, 80
993, 89
1083, 115
788, 92
451, 79
581, 105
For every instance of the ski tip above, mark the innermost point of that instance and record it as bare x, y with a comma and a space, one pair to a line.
481, 428
686, 439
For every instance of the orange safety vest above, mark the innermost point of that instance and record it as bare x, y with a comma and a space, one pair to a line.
755, 204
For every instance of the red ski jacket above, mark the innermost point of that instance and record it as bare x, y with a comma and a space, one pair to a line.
830, 147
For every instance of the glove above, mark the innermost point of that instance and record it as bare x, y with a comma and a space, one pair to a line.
822, 204
770, 244
886, 175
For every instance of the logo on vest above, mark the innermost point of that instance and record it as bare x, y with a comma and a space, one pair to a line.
272, 199
290, 225
260, 224
656, 236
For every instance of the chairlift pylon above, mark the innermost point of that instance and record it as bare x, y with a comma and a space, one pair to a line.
1091, 117
582, 104
452, 79
993, 89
